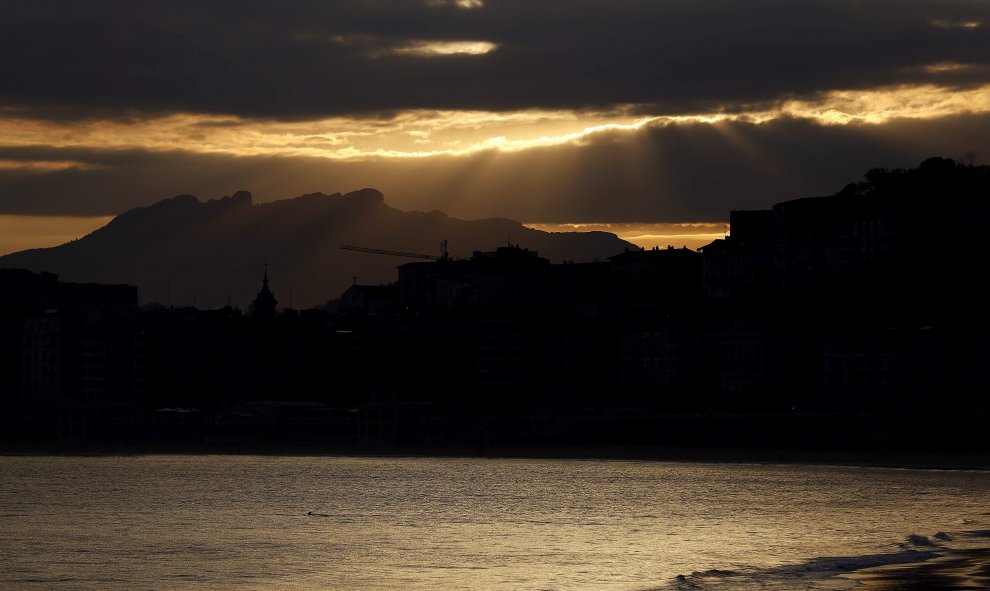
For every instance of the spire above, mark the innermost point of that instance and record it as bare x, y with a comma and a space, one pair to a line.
264, 305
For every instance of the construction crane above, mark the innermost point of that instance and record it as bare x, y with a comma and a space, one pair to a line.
444, 256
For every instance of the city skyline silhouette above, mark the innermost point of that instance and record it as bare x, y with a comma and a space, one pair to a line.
820, 323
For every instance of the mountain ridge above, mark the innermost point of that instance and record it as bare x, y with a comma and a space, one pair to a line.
184, 251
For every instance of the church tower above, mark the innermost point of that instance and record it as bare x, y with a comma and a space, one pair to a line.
264, 304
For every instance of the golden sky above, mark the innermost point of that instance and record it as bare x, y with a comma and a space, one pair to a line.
625, 113
23, 232
422, 134
660, 235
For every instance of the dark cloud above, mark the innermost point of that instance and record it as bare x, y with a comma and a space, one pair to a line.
674, 173
305, 59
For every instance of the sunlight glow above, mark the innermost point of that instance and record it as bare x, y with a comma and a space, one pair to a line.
425, 133
465, 4
880, 106
944, 24
941, 67
647, 235
376, 47
19, 232
435, 48
45, 165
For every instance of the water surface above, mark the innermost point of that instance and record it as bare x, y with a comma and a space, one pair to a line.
244, 522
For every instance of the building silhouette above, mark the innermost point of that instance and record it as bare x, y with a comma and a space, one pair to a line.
264, 304
71, 355
823, 322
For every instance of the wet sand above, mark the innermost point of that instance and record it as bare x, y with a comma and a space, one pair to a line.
961, 569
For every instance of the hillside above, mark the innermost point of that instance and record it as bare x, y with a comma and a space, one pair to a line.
188, 252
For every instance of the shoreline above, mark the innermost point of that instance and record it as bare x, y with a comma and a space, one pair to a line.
719, 455
956, 570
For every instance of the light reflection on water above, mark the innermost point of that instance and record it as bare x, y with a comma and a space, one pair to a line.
241, 522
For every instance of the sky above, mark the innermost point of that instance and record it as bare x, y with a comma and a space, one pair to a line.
626, 112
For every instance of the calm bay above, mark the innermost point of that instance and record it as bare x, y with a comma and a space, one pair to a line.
311, 522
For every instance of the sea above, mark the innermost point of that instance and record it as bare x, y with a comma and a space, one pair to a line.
362, 523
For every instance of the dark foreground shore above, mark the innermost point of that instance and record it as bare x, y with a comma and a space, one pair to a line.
959, 570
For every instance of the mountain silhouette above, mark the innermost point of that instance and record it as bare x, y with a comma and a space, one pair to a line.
182, 251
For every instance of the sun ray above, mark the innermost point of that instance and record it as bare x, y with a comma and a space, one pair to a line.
423, 133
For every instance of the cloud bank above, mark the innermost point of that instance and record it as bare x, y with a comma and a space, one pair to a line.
303, 60
583, 111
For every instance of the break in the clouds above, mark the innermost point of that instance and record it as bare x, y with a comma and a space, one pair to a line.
622, 111
689, 172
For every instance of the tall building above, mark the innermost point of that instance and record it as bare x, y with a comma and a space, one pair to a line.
264, 304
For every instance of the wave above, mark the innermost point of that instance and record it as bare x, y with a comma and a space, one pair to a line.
918, 540
825, 572
977, 533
